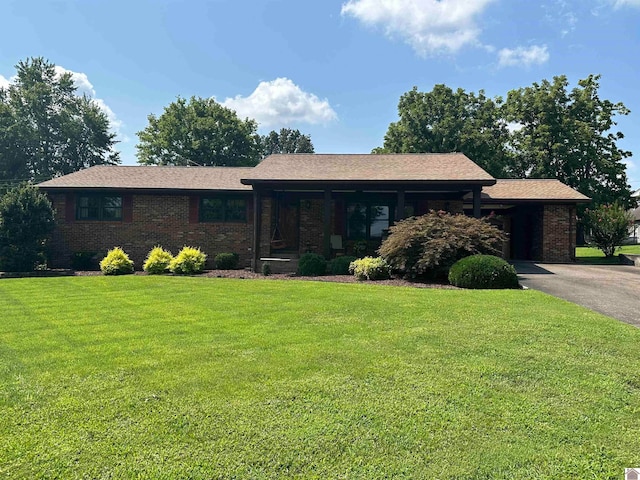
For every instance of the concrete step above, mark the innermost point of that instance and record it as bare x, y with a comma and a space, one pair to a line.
280, 264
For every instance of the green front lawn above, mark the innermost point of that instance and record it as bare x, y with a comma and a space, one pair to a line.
594, 255
168, 377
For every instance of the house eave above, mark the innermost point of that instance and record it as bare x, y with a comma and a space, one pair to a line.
388, 184
519, 201
146, 191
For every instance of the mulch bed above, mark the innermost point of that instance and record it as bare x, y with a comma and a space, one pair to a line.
247, 274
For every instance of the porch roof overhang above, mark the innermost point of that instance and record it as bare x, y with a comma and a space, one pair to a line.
369, 185
392, 172
528, 191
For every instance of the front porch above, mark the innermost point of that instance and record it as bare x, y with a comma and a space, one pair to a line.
337, 222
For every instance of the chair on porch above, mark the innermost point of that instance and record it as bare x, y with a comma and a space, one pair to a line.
336, 245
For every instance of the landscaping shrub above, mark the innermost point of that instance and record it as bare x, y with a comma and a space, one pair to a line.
189, 260
227, 261
428, 245
266, 269
26, 220
609, 225
116, 262
340, 265
483, 271
370, 268
157, 261
311, 265
84, 261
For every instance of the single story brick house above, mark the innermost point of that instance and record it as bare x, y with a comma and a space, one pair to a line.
295, 203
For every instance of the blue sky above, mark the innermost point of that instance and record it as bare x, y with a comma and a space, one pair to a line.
333, 69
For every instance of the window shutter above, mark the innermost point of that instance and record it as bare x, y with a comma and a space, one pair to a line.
70, 208
127, 208
193, 209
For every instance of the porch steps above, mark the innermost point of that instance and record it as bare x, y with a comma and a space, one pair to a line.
281, 262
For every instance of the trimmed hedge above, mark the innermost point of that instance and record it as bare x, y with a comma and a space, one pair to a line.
312, 265
117, 262
157, 261
227, 261
340, 265
189, 261
370, 268
483, 271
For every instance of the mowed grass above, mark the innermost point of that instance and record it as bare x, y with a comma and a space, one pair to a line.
594, 255
167, 377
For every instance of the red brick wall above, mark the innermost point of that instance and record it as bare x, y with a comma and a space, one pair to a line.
155, 220
311, 225
559, 233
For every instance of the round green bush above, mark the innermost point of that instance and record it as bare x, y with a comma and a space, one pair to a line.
157, 261
226, 261
266, 269
483, 271
116, 262
340, 265
189, 260
370, 268
312, 265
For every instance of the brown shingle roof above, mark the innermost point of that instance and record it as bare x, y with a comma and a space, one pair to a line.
153, 178
427, 167
531, 190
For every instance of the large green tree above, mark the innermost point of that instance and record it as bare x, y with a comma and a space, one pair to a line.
569, 135
47, 129
199, 132
444, 120
286, 141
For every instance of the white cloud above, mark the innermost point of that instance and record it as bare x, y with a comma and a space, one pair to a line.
429, 26
281, 102
625, 3
4, 83
523, 56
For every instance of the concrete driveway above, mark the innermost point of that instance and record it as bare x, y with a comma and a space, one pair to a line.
613, 290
